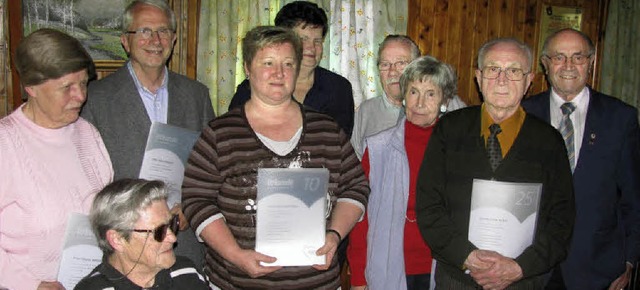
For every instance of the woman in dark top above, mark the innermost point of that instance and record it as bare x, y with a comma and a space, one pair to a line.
316, 87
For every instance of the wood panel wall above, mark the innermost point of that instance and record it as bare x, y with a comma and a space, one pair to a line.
451, 30
454, 30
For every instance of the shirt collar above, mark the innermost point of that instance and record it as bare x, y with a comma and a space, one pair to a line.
121, 282
139, 85
511, 124
579, 101
388, 104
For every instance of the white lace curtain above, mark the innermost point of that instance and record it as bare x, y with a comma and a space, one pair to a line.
350, 48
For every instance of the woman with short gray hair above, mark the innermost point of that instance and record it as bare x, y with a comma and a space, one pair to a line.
136, 233
117, 207
392, 254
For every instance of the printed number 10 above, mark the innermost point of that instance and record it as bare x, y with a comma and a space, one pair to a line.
311, 183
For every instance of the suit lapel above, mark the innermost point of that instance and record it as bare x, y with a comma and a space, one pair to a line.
592, 126
176, 113
137, 115
544, 106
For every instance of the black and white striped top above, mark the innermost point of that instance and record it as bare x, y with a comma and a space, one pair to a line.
182, 275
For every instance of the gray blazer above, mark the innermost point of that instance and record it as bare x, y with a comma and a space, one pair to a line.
114, 107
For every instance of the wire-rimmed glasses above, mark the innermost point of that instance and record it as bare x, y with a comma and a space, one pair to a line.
512, 74
562, 59
147, 33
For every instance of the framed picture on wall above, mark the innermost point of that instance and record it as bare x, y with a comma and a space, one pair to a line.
554, 18
96, 23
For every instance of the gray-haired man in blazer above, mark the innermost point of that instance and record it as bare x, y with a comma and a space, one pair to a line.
124, 104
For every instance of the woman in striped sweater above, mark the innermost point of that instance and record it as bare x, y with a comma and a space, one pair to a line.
271, 130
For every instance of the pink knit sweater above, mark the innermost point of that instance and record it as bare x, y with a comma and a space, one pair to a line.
45, 174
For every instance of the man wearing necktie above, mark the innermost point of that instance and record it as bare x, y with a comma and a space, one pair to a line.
495, 141
605, 159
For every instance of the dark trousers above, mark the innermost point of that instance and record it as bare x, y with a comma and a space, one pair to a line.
448, 282
556, 282
418, 282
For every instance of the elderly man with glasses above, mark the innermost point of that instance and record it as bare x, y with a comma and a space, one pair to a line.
382, 112
123, 105
602, 139
495, 143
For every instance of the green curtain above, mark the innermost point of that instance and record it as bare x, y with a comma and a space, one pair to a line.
223, 23
620, 75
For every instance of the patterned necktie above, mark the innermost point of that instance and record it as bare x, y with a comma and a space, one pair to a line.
493, 146
566, 129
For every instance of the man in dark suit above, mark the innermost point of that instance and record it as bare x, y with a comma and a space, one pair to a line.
123, 105
605, 155
496, 141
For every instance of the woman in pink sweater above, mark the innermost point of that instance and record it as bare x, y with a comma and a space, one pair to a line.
52, 162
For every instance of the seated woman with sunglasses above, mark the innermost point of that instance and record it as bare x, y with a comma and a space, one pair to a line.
136, 233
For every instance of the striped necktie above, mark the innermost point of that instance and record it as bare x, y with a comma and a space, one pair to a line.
566, 129
493, 146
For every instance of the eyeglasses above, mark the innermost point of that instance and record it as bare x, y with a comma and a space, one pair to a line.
399, 65
147, 33
575, 59
493, 72
160, 232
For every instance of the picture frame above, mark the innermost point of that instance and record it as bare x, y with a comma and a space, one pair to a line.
95, 23
17, 29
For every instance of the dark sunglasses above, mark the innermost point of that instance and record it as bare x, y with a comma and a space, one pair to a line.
160, 232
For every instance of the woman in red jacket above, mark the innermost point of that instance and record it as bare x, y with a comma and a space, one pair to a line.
386, 250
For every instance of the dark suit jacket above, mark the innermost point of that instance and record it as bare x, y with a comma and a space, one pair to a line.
456, 155
114, 107
607, 189
330, 94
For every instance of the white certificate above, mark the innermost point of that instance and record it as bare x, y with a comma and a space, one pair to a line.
167, 151
503, 215
290, 218
80, 254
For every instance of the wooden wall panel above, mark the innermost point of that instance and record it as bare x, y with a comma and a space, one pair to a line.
454, 30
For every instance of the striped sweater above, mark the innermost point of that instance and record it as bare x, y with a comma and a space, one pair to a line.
220, 181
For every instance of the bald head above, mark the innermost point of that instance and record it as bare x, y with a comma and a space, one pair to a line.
567, 57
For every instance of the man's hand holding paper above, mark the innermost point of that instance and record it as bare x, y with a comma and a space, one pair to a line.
502, 272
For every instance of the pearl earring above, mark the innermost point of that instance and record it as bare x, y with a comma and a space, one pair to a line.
443, 108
